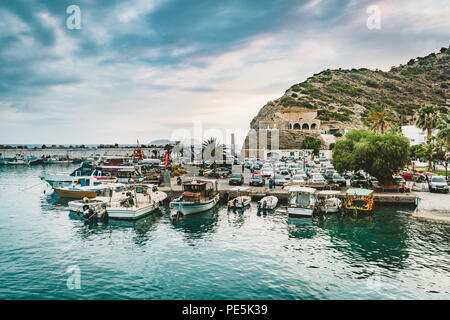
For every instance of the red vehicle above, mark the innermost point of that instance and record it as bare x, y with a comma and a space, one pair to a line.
407, 175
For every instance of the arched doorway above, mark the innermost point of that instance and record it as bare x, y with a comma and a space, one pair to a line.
313, 126
296, 126
305, 126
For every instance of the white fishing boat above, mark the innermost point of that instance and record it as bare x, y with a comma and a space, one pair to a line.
198, 196
20, 159
141, 201
239, 202
111, 194
328, 201
55, 160
302, 202
87, 170
268, 203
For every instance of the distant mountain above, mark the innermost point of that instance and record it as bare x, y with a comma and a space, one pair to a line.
161, 142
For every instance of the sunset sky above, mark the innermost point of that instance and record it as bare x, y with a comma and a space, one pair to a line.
143, 69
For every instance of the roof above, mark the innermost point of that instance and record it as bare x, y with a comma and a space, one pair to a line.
300, 189
329, 192
359, 191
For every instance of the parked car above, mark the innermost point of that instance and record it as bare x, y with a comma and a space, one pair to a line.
317, 178
257, 180
358, 180
280, 180
329, 174
438, 184
298, 179
223, 172
398, 180
267, 172
407, 175
338, 179
236, 179
372, 181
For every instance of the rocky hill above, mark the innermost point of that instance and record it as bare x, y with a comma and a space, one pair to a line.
345, 97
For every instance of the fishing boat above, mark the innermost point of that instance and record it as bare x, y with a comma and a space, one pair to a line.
302, 201
239, 202
141, 201
359, 200
86, 170
20, 159
198, 196
55, 160
111, 194
328, 201
84, 188
267, 203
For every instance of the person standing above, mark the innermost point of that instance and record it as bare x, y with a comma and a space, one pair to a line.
243, 168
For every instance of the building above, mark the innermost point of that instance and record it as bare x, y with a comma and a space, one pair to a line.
415, 135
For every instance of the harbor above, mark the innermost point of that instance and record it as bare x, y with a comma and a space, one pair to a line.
238, 254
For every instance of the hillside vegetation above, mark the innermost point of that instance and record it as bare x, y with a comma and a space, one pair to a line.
347, 96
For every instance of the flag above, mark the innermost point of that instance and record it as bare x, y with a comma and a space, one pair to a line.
167, 159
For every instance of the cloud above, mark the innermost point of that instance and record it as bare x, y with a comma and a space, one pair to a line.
144, 68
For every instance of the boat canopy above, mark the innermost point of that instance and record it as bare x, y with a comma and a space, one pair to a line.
300, 189
329, 192
359, 192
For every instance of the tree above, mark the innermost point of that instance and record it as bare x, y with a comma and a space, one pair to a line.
312, 143
379, 155
213, 150
378, 118
444, 131
427, 118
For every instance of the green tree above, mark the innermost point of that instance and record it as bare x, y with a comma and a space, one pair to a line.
444, 131
379, 155
427, 118
312, 143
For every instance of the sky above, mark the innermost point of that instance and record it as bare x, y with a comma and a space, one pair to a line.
165, 69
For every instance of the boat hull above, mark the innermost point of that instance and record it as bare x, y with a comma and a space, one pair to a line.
78, 194
187, 208
131, 213
300, 212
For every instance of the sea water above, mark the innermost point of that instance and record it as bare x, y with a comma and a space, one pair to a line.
47, 254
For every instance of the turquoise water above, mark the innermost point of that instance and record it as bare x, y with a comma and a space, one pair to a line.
216, 255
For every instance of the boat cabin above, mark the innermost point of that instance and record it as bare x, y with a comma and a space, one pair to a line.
359, 199
301, 197
196, 191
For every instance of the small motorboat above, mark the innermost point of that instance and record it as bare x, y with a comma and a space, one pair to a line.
302, 202
239, 202
84, 188
328, 201
112, 194
267, 203
141, 201
198, 196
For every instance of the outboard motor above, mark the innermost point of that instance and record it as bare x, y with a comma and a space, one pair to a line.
179, 181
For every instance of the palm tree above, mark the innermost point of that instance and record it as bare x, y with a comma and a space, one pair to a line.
213, 150
444, 130
378, 118
427, 118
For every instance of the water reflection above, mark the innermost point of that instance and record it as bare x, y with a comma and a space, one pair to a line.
380, 239
198, 225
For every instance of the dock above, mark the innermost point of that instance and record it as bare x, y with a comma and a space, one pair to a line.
256, 193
